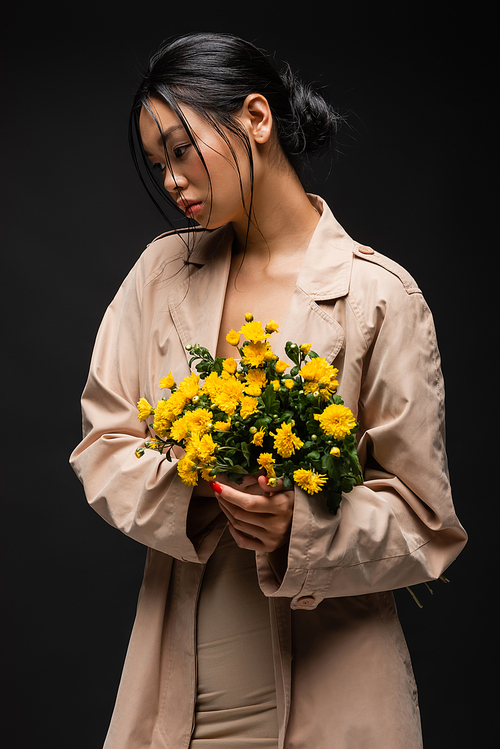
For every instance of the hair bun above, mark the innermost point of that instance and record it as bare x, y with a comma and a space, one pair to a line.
312, 123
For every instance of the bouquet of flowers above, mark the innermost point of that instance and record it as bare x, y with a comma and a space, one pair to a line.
258, 414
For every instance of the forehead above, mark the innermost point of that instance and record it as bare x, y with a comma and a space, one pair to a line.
156, 120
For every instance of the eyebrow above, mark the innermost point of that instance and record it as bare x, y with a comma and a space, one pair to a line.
165, 134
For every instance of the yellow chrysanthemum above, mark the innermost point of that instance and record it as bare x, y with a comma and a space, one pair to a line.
199, 420
272, 327
309, 481
253, 331
320, 376
164, 417
144, 409
280, 366
168, 382
233, 337
189, 386
305, 348
152, 444
288, 383
254, 353
248, 316
248, 406
255, 382
229, 365
336, 420
285, 441
266, 461
258, 438
276, 384
223, 426
228, 395
201, 449
335, 451
186, 469
212, 385
180, 428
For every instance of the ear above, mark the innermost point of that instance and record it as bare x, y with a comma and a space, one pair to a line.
256, 114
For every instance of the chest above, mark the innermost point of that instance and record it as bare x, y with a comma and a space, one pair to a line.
265, 294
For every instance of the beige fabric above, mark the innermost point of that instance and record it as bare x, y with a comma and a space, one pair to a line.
399, 528
236, 699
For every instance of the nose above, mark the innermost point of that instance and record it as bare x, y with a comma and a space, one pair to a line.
174, 181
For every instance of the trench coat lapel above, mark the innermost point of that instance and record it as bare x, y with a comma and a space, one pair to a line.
196, 304
325, 276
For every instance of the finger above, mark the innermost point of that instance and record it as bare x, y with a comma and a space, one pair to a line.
250, 522
250, 502
264, 485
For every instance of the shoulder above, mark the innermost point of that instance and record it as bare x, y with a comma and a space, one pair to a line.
172, 248
373, 269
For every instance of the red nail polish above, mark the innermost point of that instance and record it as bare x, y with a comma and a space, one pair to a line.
215, 487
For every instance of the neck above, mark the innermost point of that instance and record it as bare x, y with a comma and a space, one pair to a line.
283, 219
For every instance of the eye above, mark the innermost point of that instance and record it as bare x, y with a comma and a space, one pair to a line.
159, 167
179, 151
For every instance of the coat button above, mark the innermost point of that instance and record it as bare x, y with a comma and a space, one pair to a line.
366, 250
305, 601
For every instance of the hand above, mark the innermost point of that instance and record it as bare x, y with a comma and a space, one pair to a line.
259, 516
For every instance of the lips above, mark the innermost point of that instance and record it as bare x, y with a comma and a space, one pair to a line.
190, 207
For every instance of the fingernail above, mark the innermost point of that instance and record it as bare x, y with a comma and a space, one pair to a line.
215, 487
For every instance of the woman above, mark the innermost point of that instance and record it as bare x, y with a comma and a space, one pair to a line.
264, 620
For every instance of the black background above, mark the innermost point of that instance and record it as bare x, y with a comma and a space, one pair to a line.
412, 179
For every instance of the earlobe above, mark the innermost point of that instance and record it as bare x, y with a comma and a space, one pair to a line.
257, 112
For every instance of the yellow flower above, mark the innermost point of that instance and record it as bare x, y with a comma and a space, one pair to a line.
212, 385
186, 469
248, 406
144, 409
168, 382
276, 384
199, 420
164, 417
180, 428
248, 316
139, 452
189, 386
305, 348
336, 420
280, 366
266, 460
201, 449
152, 444
258, 437
335, 451
255, 382
223, 426
228, 395
272, 327
270, 356
319, 376
254, 353
309, 481
253, 331
289, 384
285, 441
233, 337
229, 365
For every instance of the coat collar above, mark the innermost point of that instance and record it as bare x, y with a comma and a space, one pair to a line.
196, 304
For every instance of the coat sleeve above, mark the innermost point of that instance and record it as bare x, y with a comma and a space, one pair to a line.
142, 497
399, 527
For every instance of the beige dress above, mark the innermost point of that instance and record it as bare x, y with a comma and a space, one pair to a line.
236, 694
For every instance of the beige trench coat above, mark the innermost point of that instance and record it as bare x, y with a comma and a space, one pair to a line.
343, 674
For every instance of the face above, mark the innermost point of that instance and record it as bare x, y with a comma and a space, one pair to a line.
187, 180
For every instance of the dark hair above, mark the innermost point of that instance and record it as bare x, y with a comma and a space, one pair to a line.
213, 74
